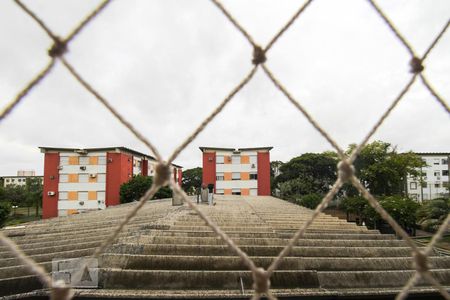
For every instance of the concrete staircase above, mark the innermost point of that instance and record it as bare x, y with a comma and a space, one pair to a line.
169, 252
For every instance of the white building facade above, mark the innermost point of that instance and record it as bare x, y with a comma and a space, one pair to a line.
434, 182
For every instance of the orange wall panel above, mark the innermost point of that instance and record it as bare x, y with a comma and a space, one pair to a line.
93, 160
227, 191
245, 192
227, 159
227, 176
245, 176
245, 159
72, 211
92, 179
73, 160
73, 177
72, 195
92, 195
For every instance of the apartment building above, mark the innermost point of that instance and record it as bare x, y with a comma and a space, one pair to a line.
243, 171
434, 182
76, 180
19, 179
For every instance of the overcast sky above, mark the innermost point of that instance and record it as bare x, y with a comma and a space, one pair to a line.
167, 64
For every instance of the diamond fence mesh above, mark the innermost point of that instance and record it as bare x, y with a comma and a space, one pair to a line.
346, 173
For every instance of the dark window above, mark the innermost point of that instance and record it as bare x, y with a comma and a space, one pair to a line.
444, 172
253, 176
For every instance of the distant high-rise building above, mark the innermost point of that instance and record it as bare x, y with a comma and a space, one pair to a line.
434, 182
243, 171
76, 180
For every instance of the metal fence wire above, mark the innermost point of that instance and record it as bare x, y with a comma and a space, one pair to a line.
346, 173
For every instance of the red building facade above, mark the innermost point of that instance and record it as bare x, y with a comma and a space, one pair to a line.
76, 180
243, 171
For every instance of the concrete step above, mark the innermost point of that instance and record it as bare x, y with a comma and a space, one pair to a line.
21, 270
54, 249
373, 279
338, 236
224, 228
5, 262
16, 285
55, 237
212, 234
217, 263
222, 250
182, 280
61, 242
272, 242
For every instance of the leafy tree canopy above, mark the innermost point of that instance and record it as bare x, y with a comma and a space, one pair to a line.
136, 187
432, 213
192, 180
307, 174
383, 170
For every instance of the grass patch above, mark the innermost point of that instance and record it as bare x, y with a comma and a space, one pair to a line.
444, 242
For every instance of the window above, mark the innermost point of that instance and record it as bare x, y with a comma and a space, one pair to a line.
7, 180
219, 192
413, 185
235, 191
100, 195
83, 196
236, 159
63, 196
414, 196
63, 178
445, 184
444, 172
236, 176
13, 180
437, 185
253, 159
83, 160
101, 177
437, 173
424, 185
219, 159
220, 176
436, 161
83, 178
64, 160
444, 161
253, 176
102, 160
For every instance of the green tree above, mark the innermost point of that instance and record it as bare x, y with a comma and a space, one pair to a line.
34, 193
192, 180
355, 205
5, 210
15, 195
311, 200
307, 174
136, 187
432, 214
274, 172
384, 171
402, 209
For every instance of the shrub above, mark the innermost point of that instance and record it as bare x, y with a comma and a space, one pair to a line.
432, 214
134, 189
5, 210
310, 200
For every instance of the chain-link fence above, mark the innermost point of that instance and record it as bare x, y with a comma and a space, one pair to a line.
261, 277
